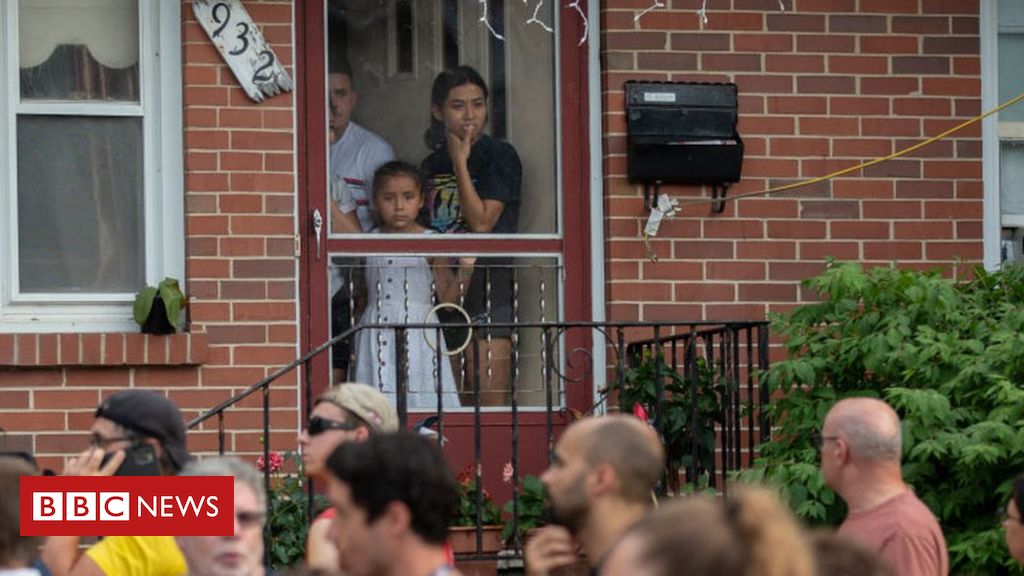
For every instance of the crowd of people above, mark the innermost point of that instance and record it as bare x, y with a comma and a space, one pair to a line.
392, 495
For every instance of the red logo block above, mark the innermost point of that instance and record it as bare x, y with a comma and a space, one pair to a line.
127, 505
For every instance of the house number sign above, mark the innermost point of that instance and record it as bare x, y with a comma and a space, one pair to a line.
242, 46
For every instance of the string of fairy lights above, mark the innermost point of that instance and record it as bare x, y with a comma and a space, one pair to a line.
575, 5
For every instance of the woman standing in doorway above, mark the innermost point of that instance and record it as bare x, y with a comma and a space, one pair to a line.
472, 185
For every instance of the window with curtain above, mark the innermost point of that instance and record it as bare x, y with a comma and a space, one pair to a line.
87, 133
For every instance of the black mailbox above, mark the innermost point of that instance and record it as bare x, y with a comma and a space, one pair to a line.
683, 133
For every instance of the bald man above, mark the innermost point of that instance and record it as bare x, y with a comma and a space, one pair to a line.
599, 483
861, 447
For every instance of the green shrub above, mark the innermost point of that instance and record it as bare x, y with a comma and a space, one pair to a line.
948, 356
288, 519
677, 407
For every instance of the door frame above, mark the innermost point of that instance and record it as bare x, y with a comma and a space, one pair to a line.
574, 173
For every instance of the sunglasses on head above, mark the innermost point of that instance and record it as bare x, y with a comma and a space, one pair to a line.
318, 425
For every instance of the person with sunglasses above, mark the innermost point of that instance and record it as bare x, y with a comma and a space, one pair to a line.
348, 412
135, 432
1013, 524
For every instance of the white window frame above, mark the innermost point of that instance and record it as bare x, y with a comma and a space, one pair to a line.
160, 106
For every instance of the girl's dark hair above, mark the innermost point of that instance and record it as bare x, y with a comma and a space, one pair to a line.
443, 84
1018, 492
396, 168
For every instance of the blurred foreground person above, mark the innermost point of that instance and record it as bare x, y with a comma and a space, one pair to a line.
1013, 524
749, 534
836, 555
861, 448
599, 483
394, 497
240, 554
348, 412
136, 432
17, 552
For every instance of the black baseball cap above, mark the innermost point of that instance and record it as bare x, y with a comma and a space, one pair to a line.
150, 414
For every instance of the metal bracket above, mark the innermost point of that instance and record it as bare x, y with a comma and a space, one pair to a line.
718, 193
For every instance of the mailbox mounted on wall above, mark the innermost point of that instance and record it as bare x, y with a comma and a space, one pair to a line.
683, 133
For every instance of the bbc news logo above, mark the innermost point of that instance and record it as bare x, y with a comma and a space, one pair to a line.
127, 505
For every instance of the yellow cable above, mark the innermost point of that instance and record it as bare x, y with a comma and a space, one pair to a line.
837, 173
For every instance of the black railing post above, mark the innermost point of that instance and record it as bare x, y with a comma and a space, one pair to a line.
692, 374
477, 444
306, 408
548, 401
439, 357
401, 377
620, 367
220, 433
762, 362
266, 472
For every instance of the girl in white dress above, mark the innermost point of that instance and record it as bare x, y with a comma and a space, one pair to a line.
400, 289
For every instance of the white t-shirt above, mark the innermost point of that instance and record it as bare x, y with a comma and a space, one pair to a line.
354, 158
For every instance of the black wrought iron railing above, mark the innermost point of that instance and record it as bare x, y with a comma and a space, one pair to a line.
706, 375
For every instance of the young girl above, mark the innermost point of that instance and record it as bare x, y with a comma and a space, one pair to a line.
400, 290
472, 184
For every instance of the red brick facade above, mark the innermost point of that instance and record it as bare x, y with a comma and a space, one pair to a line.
241, 267
823, 85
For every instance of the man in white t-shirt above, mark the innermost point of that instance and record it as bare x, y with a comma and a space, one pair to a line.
355, 155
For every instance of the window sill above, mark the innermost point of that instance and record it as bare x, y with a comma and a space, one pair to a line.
106, 349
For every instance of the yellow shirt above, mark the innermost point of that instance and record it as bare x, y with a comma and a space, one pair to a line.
138, 556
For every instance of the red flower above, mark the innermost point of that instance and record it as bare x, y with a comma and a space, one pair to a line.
276, 462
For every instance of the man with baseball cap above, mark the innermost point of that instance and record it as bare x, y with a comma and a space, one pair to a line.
144, 416
348, 412
145, 432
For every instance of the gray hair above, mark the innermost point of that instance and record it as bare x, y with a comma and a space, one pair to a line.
866, 440
229, 466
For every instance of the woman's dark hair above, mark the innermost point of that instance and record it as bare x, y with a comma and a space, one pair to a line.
443, 84
1018, 492
396, 168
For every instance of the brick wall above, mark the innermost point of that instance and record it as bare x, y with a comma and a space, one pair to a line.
240, 204
824, 85
241, 269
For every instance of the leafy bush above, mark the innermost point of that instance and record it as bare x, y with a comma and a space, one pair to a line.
676, 407
948, 356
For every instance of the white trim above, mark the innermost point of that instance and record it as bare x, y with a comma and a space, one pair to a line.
8, 238
1011, 130
83, 107
171, 170
597, 268
160, 108
445, 237
559, 136
432, 253
991, 225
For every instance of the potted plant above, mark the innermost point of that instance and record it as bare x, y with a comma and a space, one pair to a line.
157, 309
463, 533
288, 509
532, 510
